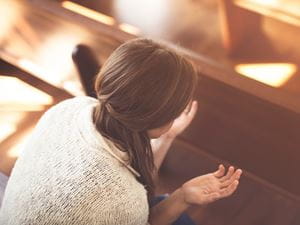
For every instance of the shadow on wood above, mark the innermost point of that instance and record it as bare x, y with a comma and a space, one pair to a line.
87, 66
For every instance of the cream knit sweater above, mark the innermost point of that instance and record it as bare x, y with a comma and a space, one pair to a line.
69, 174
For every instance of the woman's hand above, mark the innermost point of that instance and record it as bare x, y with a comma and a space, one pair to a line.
211, 187
200, 190
183, 121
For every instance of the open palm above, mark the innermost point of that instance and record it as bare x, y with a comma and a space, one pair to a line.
211, 187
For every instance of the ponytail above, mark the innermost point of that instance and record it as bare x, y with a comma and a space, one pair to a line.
135, 143
141, 86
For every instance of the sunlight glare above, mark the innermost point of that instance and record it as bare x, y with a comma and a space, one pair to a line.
16, 92
6, 130
92, 14
129, 29
15, 151
274, 74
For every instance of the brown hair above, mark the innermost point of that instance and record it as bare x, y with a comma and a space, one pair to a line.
142, 85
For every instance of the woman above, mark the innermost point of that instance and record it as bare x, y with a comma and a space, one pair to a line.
91, 161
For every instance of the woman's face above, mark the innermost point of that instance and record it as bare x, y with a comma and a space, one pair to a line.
157, 132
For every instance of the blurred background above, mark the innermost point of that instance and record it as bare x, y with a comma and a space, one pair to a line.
247, 51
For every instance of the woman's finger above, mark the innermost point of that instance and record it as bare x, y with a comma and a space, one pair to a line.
188, 108
229, 190
188, 117
236, 176
193, 108
220, 172
191, 114
228, 175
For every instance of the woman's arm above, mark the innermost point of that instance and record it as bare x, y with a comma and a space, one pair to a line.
160, 148
161, 145
197, 191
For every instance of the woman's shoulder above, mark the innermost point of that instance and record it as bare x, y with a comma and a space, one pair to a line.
73, 103
61, 114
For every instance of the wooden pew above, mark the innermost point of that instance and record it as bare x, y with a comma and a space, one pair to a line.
242, 19
240, 121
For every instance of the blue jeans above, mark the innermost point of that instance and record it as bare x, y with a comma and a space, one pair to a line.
183, 219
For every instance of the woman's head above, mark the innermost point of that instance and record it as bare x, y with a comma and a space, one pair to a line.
142, 87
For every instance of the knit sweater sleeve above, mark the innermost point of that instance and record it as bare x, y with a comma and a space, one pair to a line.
111, 196
64, 176
101, 193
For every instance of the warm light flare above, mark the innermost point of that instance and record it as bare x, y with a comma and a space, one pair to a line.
92, 14
273, 74
16, 94
287, 11
129, 29
15, 150
6, 129
32, 68
266, 2
10, 14
53, 62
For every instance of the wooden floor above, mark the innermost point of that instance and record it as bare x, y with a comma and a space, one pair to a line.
193, 24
